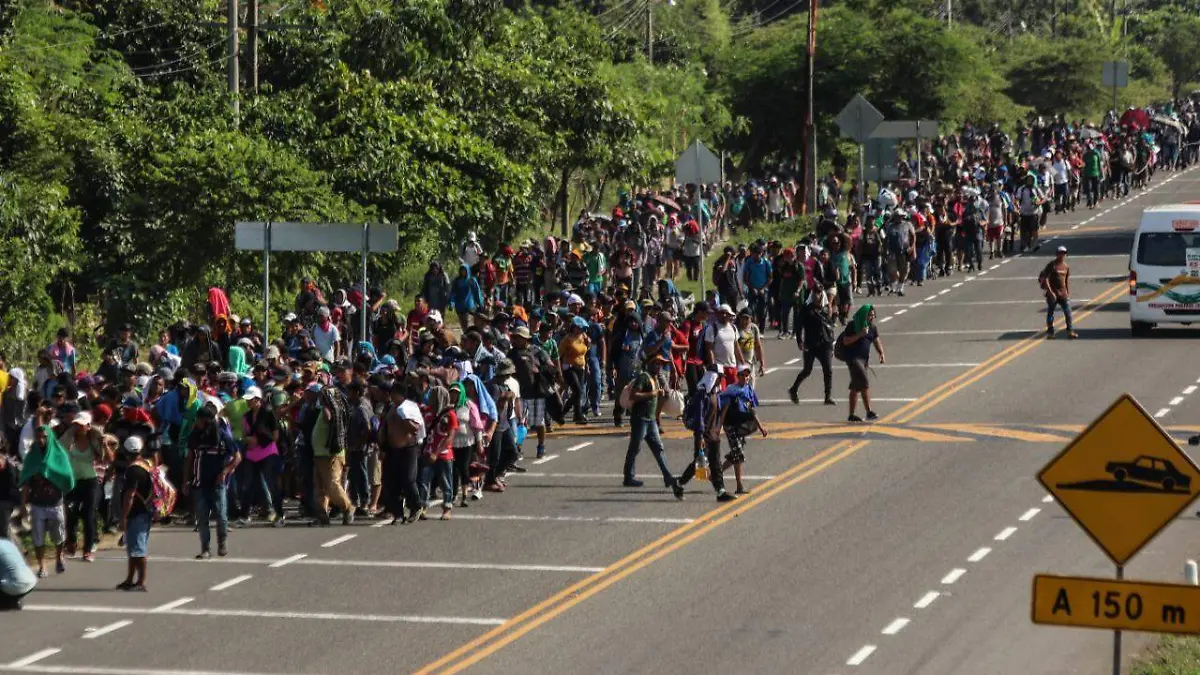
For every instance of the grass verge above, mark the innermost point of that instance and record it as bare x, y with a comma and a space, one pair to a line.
1172, 656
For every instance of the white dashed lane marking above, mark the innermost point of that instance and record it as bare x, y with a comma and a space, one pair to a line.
979, 555
896, 626
954, 575
860, 655
1028, 515
926, 600
1005, 533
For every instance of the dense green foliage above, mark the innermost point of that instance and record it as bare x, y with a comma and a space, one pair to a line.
123, 170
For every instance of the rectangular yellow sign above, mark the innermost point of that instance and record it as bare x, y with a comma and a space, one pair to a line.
1086, 602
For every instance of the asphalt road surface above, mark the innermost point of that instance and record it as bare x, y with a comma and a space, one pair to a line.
908, 546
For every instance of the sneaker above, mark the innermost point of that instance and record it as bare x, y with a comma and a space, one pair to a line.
41, 573
124, 585
541, 451
517, 468
900, 293
279, 521
871, 416
854, 419
632, 482
742, 491
477, 494
1072, 335
829, 401
204, 555
222, 550
348, 517
794, 395
60, 566
678, 490
494, 487
271, 517
724, 496
241, 522
361, 512
88, 557
1050, 335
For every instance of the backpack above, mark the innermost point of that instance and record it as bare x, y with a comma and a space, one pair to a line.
625, 400
696, 409
162, 492
839, 346
897, 240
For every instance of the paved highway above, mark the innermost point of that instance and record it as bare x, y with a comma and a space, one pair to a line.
908, 546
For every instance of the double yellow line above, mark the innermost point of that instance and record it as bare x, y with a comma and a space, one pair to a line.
496, 639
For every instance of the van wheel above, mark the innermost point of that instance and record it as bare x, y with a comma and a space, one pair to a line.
1139, 328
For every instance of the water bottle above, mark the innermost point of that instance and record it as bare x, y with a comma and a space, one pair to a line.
702, 466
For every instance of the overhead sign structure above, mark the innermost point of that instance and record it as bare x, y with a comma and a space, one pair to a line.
906, 129
1115, 74
1123, 479
858, 119
1084, 602
313, 237
697, 165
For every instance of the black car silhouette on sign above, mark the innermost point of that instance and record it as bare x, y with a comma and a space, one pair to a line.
1152, 470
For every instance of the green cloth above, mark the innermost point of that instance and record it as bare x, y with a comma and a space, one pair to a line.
236, 411
458, 396
860, 318
52, 463
237, 361
1091, 163
596, 264
842, 260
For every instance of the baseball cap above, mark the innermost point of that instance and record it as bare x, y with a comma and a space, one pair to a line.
246, 321
522, 331
83, 419
272, 352
134, 444
323, 311
252, 394
289, 317
725, 309
1062, 249
434, 316
744, 368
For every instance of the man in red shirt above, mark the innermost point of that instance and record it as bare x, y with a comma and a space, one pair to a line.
693, 330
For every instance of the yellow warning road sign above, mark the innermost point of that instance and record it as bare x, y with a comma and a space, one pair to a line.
1116, 605
1123, 479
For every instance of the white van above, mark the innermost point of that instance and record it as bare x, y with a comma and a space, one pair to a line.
1164, 268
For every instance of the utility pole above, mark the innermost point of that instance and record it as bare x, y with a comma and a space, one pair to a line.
808, 178
252, 20
232, 60
949, 13
650, 32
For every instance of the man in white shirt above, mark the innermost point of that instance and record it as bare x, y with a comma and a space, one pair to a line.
325, 336
1060, 171
720, 344
405, 433
1029, 201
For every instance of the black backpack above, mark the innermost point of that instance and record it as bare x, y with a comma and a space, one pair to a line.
839, 345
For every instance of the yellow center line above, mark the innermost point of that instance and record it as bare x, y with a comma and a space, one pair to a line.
496, 639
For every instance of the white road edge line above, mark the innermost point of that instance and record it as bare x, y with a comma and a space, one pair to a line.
979, 555
232, 582
105, 630
860, 655
290, 559
250, 613
926, 600
1005, 533
896, 626
34, 658
173, 604
1190, 390
954, 575
1028, 515
1176, 401
340, 540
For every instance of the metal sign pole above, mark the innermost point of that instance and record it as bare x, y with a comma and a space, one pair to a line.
366, 248
862, 160
700, 216
1116, 669
266, 325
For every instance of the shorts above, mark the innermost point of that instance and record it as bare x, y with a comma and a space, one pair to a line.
730, 373
899, 263
993, 233
844, 296
664, 380
737, 448
858, 375
48, 521
535, 411
137, 536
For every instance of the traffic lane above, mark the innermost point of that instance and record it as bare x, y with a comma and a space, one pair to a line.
810, 590
974, 629
237, 645
28, 632
1072, 381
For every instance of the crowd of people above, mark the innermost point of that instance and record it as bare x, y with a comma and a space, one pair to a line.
215, 426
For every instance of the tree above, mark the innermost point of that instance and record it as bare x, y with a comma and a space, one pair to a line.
1172, 36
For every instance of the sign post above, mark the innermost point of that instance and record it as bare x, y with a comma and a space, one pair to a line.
1123, 479
857, 121
698, 165
313, 237
1115, 74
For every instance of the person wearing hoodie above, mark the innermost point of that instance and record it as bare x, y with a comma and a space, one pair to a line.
465, 296
14, 407
46, 477
435, 288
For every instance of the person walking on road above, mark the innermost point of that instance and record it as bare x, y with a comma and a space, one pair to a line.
135, 512
212, 459
814, 336
642, 426
700, 415
1055, 280
739, 419
857, 342
46, 478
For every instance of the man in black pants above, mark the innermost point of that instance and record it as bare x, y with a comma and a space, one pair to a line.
814, 336
405, 431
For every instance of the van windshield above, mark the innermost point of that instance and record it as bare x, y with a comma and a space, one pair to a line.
1166, 249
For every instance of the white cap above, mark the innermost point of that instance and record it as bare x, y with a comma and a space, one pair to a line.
134, 444
289, 317
574, 299
435, 316
252, 393
1062, 249
83, 419
724, 309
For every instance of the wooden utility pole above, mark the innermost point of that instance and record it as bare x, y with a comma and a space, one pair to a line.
252, 20
808, 161
231, 59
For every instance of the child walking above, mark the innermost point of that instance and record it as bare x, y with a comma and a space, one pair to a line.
739, 419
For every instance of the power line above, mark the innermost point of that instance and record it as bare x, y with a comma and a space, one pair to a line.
187, 57
629, 18
97, 37
767, 22
195, 66
613, 8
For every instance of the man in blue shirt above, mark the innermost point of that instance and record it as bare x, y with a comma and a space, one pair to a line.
756, 275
